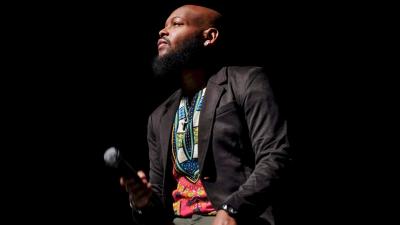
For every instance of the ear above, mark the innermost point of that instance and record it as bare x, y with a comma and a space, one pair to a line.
210, 36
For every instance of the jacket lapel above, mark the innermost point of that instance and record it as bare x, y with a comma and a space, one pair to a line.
207, 115
166, 126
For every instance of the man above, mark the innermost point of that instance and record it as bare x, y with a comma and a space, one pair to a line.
217, 146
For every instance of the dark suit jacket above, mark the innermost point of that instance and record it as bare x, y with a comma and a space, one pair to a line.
242, 145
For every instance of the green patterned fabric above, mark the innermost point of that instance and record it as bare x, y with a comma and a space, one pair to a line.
185, 136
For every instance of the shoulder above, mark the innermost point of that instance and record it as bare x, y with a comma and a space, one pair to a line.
244, 74
244, 69
244, 77
245, 81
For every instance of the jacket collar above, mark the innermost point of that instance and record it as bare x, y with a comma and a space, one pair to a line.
207, 115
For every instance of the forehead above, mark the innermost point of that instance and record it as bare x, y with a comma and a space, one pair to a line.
189, 13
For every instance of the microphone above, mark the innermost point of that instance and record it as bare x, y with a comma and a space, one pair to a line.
113, 158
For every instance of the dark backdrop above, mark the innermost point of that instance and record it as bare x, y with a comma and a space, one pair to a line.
82, 82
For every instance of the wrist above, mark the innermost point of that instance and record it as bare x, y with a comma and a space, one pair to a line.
231, 211
134, 207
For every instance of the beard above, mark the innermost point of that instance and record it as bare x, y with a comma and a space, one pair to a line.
189, 55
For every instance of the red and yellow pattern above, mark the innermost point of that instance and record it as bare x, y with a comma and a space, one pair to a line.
191, 198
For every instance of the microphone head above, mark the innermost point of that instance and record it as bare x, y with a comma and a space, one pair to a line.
112, 157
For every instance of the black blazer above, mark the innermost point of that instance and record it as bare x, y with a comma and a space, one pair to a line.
242, 145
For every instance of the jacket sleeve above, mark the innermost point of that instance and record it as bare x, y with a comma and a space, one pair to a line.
268, 136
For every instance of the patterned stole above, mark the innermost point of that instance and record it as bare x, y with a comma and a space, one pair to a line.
185, 136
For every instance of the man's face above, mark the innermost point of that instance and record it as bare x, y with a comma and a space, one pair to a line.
181, 26
181, 41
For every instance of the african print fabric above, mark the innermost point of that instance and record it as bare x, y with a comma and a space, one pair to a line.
189, 196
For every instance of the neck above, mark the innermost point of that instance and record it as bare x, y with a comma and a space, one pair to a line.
192, 80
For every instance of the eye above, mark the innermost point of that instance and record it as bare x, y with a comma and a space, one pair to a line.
177, 23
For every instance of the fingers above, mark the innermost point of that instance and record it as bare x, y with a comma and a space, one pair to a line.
141, 174
139, 191
141, 195
223, 218
126, 182
122, 181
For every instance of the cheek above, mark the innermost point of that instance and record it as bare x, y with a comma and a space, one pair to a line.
175, 41
180, 37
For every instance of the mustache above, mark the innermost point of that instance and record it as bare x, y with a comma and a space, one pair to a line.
166, 40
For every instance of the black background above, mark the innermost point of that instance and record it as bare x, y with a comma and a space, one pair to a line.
79, 80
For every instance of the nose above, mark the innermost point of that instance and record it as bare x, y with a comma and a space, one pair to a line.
163, 32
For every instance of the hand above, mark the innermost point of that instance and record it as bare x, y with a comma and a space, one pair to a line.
223, 218
139, 192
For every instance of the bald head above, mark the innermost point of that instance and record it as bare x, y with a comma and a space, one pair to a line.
202, 16
188, 39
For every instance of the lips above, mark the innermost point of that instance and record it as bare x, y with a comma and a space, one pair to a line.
163, 45
162, 42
